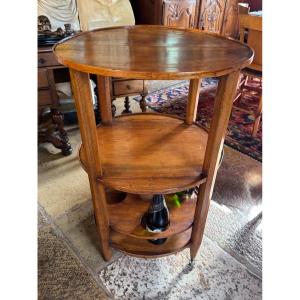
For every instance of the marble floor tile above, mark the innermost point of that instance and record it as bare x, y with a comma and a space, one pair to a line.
215, 275
235, 214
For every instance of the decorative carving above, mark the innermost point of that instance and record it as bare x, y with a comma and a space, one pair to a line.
179, 13
211, 16
49, 125
43, 24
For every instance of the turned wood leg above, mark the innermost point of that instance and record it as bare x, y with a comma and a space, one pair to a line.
143, 105
113, 108
257, 117
127, 106
97, 106
58, 119
222, 109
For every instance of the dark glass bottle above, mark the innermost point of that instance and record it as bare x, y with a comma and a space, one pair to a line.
157, 217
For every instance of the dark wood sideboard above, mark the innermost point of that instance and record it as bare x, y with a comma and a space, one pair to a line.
51, 124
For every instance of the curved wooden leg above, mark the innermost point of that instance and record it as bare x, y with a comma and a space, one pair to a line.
58, 119
222, 109
143, 105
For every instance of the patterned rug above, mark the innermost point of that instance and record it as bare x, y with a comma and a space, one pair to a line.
172, 100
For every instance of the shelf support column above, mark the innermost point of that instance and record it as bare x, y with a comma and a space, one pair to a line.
85, 112
104, 98
222, 109
192, 103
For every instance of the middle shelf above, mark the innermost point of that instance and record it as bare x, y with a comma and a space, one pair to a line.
150, 153
125, 217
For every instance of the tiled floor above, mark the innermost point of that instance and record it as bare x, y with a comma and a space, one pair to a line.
228, 265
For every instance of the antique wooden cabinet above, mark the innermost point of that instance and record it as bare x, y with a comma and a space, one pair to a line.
219, 16
178, 13
182, 13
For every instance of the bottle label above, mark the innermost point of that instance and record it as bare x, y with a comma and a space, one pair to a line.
154, 230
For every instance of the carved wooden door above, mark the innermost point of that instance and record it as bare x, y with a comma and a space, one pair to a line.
179, 13
230, 23
211, 15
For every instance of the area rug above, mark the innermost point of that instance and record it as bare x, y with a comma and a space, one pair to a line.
172, 100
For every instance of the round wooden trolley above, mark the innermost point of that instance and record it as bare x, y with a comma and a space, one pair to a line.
151, 153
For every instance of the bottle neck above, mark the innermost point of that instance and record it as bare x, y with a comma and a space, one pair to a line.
158, 203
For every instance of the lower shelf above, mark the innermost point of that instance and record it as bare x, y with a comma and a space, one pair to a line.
143, 248
125, 217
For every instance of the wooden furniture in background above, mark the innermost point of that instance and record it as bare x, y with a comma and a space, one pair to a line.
129, 87
50, 124
182, 13
94, 14
151, 153
219, 16
253, 26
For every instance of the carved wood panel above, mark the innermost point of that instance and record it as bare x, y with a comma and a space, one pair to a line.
212, 14
179, 13
230, 23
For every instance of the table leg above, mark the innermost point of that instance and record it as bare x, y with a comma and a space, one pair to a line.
222, 110
192, 103
127, 106
104, 96
85, 112
143, 105
47, 133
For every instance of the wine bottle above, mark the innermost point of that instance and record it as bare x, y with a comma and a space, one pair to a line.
157, 217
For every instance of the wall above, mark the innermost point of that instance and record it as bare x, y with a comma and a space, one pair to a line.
254, 4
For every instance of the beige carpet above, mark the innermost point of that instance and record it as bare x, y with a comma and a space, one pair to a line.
60, 273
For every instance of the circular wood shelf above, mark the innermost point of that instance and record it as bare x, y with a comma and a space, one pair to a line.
143, 248
150, 154
152, 52
125, 217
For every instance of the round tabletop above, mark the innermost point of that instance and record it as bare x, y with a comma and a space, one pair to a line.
153, 52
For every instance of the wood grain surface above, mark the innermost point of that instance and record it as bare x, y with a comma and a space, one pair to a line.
181, 218
143, 248
150, 153
152, 52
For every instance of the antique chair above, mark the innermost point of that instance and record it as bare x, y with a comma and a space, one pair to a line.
251, 34
94, 14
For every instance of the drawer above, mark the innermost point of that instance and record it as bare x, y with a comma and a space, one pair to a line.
127, 87
47, 59
44, 97
42, 78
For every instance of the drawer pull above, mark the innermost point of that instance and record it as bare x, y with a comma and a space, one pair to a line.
41, 60
128, 87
